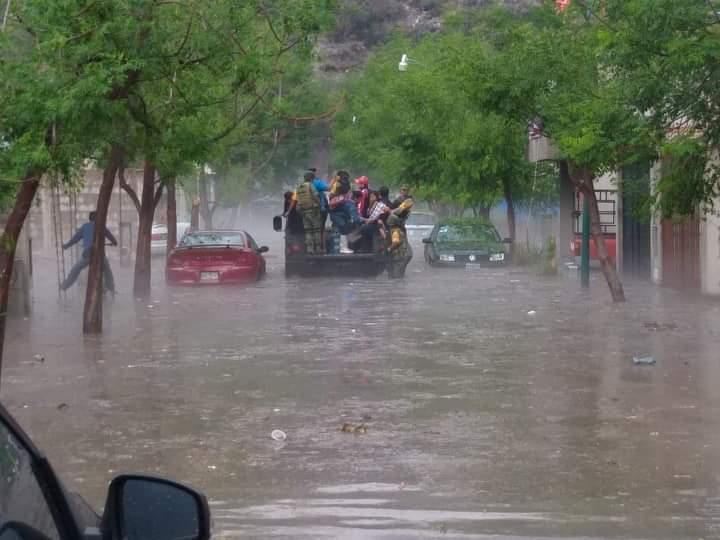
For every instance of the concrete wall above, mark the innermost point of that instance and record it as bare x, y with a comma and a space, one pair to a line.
122, 217
709, 246
710, 254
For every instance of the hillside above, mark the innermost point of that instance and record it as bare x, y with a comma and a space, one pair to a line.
363, 24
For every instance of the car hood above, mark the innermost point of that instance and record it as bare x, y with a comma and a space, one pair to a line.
469, 247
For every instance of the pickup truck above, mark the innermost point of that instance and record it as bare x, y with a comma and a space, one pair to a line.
299, 263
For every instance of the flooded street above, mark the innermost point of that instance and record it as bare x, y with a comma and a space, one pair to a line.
483, 421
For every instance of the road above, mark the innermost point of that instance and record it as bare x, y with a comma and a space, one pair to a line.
483, 421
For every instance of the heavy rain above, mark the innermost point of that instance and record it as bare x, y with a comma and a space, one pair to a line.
544, 366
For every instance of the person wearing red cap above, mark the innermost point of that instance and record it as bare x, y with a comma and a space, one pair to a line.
363, 195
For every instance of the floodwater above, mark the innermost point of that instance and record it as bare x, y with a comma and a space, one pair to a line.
483, 421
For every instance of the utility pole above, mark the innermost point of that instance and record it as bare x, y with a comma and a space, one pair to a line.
585, 250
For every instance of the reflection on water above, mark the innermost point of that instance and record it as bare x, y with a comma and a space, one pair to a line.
482, 419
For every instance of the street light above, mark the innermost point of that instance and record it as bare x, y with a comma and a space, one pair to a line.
403, 65
405, 61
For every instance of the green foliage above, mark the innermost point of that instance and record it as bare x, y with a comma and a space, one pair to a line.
424, 128
666, 55
549, 266
466, 222
168, 81
689, 182
527, 255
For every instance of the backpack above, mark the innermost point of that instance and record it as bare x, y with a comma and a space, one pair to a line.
307, 196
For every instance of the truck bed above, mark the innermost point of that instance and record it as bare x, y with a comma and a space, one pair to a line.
341, 264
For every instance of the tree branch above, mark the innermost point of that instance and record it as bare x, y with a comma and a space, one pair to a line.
295, 119
270, 25
225, 132
127, 188
158, 195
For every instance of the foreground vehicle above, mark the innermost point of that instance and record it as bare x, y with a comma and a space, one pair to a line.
158, 238
463, 243
206, 257
299, 263
34, 504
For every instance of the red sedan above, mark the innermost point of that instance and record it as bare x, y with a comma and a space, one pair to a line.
206, 257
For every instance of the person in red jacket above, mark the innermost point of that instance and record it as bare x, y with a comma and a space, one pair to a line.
363, 195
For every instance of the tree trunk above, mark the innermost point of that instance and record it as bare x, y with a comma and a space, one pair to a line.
205, 210
141, 285
583, 180
8, 244
92, 316
512, 227
171, 215
482, 212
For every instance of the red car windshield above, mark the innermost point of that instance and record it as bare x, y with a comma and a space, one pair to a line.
214, 239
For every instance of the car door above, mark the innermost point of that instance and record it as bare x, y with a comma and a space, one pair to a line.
32, 501
259, 260
430, 251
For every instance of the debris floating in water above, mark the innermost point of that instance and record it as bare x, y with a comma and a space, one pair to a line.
39, 358
278, 435
350, 428
643, 361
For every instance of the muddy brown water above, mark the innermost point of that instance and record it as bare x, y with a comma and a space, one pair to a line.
482, 421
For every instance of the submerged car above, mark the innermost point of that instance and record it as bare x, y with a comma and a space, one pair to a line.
215, 257
159, 234
35, 505
463, 243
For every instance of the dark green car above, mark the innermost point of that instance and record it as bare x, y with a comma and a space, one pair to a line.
465, 242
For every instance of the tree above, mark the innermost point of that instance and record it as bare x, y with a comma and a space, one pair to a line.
160, 82
551, 66
206, 86
667, 56
425, 127
49, 116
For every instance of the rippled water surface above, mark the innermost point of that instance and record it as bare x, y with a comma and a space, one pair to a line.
482, 421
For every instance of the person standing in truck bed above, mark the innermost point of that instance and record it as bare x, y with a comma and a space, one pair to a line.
402, 197
307, 201
294, 223
399, 251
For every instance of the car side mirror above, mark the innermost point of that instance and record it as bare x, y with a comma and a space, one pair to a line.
15, 530
149, 508
507, 241
263, 249
277, 223
427, 240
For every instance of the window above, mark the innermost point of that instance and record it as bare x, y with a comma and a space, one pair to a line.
467, 233
214, 239
251, 243
21, 498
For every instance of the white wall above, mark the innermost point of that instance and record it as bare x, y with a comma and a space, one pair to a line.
710, 253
